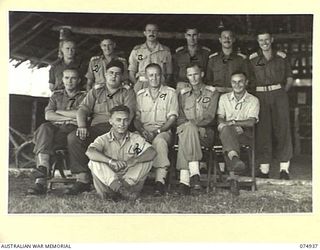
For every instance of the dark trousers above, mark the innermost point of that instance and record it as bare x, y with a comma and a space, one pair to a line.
273, 129
77, 148
49, 137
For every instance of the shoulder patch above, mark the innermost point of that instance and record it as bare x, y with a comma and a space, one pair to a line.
180, 48
213, 55
242, 55
281, 54
95, 58
253, 55
141, 91
206, 48
185, 90
210, 88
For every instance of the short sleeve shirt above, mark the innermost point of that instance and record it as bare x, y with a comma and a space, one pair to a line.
270, 72
182, 58
154, 113
220, 68
232, 109
99, 102
133, 145
97, 68
141, 56
56, 72
199, 107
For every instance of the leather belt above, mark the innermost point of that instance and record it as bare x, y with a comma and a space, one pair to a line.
268, 88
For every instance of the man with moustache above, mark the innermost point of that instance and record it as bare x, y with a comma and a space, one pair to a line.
96, 69
152, 51
272, 79
97, 106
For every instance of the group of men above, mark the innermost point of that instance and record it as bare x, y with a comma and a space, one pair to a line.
192, 93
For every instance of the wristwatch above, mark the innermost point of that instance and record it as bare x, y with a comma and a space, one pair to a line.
158, 131
233, 122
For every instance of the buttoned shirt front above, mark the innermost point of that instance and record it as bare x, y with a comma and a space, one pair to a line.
220, 68
141, 56
61, 101
99, 102
232, 109
56, 71
132, 145
182, 59
270, 72
97, 68
200, 107
155, 112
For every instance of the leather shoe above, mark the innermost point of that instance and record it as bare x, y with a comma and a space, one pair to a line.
78, 188
262, 175
182, 189
37, 189
159, 188
284, 175
127, 194
195, 182
237, 165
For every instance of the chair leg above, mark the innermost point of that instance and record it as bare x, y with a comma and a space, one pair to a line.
209, 166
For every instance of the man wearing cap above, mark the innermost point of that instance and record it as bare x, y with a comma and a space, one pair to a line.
197, 109
272, 78
149, 52
237, 113
97, 106
222, 64
68, 60
61, 116
157, 111
185, 55
97, 65
120, 160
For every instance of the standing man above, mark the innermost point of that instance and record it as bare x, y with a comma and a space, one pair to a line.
222, 64
197, 109
97, 106
157, 111
273, 77
237, 113
61, 116
186, 55
120, 160
97, 65
149, 52
68, 60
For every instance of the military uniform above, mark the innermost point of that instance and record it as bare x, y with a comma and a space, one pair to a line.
141, 56
53, 135
270, 77
230, 109
182, 59
97, 69
104, 177
195, 123
220, 68
57, 68
97, 105
153, 114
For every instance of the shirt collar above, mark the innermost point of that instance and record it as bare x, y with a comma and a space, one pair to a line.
243, 99
111, 136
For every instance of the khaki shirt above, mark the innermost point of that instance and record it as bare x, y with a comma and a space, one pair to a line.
97, 68
201, 108
232, 109
61, 101
141, 56
99, 102
153, 113
220, 68
274, 71
133, 145
182, 59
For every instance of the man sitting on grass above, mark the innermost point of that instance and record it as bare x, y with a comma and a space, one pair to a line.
120, 160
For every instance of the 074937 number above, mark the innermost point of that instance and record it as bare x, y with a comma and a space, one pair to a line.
308, 245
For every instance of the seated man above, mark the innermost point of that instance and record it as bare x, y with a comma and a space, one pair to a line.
157, 111
120, 160
61, 114
97, 105
237, 113
197, 110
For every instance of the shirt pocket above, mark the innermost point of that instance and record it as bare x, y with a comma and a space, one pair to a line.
161, 112
189, 109
146, 113
100, 107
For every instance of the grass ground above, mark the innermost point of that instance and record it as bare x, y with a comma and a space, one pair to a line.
269, 198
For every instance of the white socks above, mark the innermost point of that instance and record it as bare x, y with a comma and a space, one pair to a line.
285, 166
194, 168
185, 177
265, 168
161, 174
